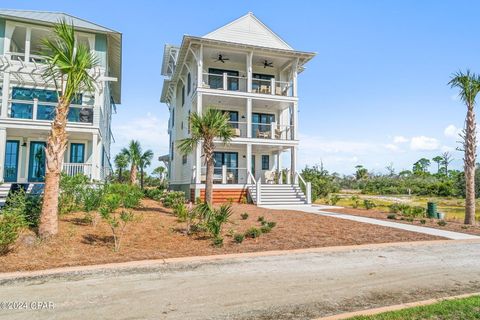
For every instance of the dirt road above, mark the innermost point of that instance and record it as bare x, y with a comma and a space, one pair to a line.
292, 286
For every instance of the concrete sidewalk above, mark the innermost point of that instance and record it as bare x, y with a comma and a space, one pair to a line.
320, 210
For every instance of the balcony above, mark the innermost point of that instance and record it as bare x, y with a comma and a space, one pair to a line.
72, 169
226, 175
228, 82
46, 112
272, 131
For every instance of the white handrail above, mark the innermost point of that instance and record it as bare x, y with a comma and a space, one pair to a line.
252, 177
308, 187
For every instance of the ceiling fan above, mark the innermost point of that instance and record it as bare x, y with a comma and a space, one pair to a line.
267, 64
221, 58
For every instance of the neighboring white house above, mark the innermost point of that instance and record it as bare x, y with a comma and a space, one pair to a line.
249, 72
28, 100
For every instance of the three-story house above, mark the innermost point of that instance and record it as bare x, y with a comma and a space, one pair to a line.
247, 71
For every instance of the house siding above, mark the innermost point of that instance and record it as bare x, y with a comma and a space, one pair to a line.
2, 35
101, 49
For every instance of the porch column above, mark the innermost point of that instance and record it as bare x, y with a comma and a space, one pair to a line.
95, 158
249, 118
198, 163
279, 167
295, 120
3, 143
199, 104
6, 94
200, 67
249, 163
293, 164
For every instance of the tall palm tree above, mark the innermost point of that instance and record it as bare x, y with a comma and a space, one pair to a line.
67, 64
160, 171
133, 154
121, 163
144, 161
469, 86
205, 129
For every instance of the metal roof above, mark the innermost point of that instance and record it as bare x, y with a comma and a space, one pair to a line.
52, 17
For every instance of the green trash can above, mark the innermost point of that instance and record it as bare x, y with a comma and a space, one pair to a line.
432, 210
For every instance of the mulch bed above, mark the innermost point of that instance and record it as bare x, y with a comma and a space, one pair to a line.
452, 224
157, 235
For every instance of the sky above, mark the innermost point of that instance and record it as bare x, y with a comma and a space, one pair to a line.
375, 94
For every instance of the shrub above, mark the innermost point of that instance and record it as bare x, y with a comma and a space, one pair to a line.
180, 211
172, 197
423, 221
369, 204
243, 200
392, 216
238, 237
29, 206
215, 219
442, 223
355, 201
394, 207
12, 221
333, 200
198, 200
115, 208
265, 229
271, 224
92, 198
322, 182
154, 193
261, 219
244, 216
71, 192
418, 211
253, 233
217, 242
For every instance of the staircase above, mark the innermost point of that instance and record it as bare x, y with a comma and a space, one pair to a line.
278, 194
4, 190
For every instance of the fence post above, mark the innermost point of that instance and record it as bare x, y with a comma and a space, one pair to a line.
308, 190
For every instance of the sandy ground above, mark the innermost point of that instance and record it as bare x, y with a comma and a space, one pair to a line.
293, 286
157, 234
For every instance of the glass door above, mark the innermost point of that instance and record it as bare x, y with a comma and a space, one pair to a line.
230, 160
36, 162
11, 161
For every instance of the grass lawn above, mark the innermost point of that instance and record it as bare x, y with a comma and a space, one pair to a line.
157, 234
460, 309
454, 208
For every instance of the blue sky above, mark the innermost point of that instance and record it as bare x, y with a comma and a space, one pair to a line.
375, 94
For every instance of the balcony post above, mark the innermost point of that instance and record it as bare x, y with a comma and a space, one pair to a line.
258, 191
272, 86
308, 191
225, 81
295, 121
224, 174
95, 158
279, 167
249, 163
198, 163
3, 142
249, 71
35, 109
293, 164
6, 94
200, 67
273, 126
249, 118
28, 36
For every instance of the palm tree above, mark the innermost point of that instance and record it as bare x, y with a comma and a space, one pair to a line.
133, 154
68, 64
160, 171
205, 129
121, 162
469, 86
144, 161
438, 161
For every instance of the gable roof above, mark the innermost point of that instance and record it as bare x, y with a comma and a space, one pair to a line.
249, 30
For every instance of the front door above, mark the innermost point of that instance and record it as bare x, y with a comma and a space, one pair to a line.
36, 162
230, 160
11, 161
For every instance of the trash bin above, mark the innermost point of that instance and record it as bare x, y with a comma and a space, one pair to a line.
432, 210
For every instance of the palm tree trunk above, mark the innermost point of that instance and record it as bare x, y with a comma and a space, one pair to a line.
208, 148
141, 178
470, 162
54, 152
120, 175
133, 174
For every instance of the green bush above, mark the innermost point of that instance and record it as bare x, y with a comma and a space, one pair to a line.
261, 219
271, 224
418, 212
392, 216
29, 206
333, 200
244, 216
423, 221
394, 207
265, 229
369, 204
172, 197
214, 219
130, 195
12, 221
322, 182
442, 223
71, 192
92, 198
180, 211
238, 237
154, 193
253, 233
355, 201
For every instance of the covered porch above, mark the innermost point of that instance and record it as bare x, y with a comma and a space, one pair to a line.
22, 153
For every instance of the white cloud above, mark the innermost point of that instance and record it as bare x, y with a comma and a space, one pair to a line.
452, 131
392, 147
399, 139
424, 143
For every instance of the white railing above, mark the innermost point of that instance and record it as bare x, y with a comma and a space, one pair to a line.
73, 169
272, 131
273, 87
225, 175
307, 186
224, 82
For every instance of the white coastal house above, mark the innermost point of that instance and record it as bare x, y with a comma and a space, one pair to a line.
250, 73
28, 100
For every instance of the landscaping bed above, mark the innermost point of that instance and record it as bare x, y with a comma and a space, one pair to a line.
450, 225
155, 234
